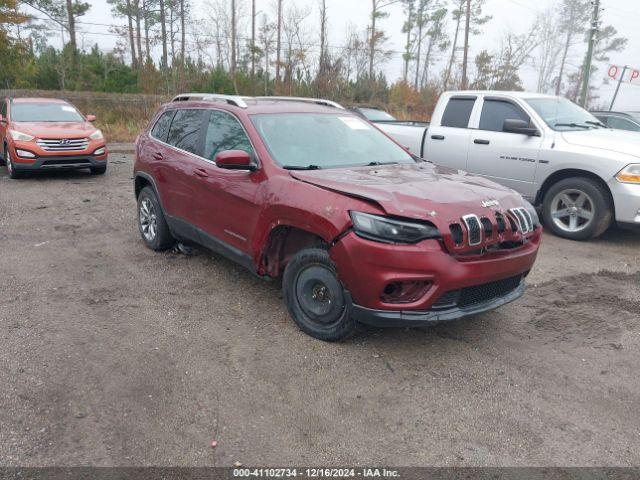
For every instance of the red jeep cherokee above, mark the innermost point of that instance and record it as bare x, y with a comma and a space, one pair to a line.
358, 229
47, 133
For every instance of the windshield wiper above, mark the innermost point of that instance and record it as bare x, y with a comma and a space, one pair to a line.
301, 167
572, 125
597, 124
375, 164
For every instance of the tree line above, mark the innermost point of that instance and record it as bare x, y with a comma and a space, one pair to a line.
282, 47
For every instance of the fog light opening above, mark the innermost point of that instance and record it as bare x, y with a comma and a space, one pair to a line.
99, 151
404, 292
25, 153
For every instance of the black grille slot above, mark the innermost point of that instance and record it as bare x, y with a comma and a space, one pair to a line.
500, 222
456, 233
474, 229
470, 296
512, 223
487, 226
74, 161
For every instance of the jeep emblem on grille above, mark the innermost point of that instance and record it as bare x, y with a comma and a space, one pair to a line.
64, 141
490, 203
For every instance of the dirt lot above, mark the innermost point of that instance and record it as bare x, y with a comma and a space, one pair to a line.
112, 354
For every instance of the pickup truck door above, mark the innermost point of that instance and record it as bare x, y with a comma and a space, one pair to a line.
508, 158
447, 140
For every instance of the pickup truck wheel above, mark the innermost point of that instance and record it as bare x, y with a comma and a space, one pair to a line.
151, 223
577, 208
315, 297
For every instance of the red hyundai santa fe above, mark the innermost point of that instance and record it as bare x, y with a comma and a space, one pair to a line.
359, 230
47, 133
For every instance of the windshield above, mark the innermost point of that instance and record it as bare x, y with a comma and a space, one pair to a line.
376, 115
44, 112
561, 114
308, 140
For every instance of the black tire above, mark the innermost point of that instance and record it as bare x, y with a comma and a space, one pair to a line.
98, 170
601, 210
315, 297
13, 173
162, 238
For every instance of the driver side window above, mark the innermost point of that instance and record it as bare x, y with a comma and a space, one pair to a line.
224, 132
495, 112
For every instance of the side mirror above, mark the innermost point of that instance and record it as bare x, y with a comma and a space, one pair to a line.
235, 160
512, 125
91, 118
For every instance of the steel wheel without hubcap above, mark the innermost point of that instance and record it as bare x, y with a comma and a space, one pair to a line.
319, 295
7, 160
572, 210
148, 219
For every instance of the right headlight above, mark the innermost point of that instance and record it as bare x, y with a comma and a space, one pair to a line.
629, 174
19, 136
391, 230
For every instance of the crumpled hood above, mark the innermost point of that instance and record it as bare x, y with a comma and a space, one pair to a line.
56, 129
618, 141
421, 190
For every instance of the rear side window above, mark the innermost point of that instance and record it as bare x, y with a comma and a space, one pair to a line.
224, 132
184, 132
458, 112
161, 129
495, 112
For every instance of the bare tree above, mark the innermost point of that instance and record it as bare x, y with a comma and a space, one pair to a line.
278, 44
377, 37
549, 50
574, 17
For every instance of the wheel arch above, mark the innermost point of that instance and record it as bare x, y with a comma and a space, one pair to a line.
555, 177
282, 242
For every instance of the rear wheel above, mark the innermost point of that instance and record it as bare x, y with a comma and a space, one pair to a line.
151, 222
577, 208
315, 297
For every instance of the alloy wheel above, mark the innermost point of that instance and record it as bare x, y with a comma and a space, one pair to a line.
148, 219
572, 210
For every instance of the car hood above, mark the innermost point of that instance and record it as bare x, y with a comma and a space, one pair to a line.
421, 190
55, 129
618, 141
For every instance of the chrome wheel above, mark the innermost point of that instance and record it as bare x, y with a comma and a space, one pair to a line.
7, 161
572, 210
148, 219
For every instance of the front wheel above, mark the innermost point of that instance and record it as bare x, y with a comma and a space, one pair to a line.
315, 297
577, 208
13, 173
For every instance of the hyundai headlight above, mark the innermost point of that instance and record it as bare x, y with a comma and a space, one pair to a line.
391, 230
97, 135
629, 174
19, 136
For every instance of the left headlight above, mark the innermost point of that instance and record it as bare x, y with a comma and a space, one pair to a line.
391, 230
97, 135
534, 214
629, 174
19, 136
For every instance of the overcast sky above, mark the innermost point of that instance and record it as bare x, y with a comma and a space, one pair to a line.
514, 15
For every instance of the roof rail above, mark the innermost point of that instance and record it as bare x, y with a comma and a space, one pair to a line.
235, 100
317, 101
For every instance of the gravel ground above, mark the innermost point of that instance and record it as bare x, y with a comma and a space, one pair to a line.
112, 354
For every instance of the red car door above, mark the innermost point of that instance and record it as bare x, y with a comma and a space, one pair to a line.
226, 200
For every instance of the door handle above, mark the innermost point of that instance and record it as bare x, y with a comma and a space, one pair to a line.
200, 172
158, 156
437, 137
481, 142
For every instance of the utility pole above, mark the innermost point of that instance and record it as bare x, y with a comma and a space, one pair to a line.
595, 21
466, 47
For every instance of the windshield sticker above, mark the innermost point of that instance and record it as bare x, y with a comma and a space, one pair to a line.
68, 109
354, 123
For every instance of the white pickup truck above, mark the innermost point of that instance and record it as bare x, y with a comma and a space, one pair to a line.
583, 175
